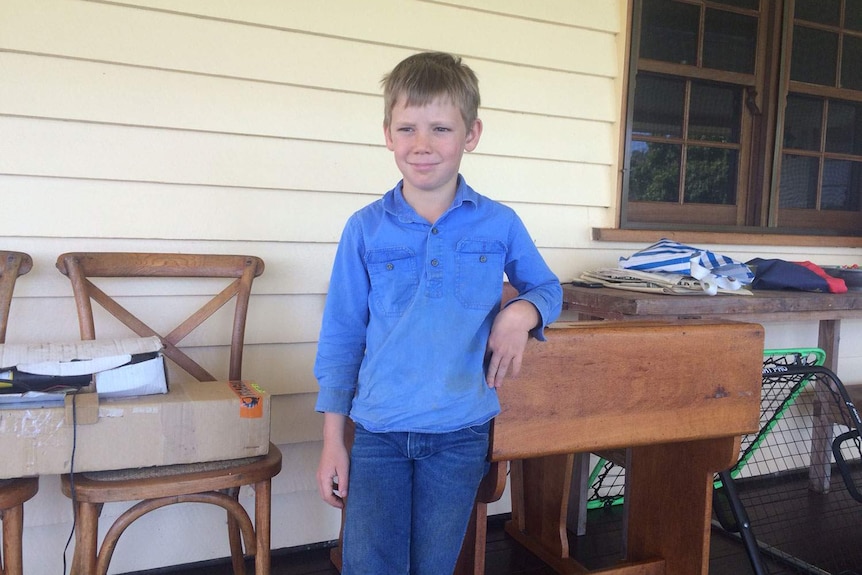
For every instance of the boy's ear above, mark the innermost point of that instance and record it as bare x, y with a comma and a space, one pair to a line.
387, 135
473, 135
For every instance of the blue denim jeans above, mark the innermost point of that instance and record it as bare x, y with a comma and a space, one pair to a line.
411, 495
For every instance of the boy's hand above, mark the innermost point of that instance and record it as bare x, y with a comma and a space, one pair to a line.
333, 473
507, 341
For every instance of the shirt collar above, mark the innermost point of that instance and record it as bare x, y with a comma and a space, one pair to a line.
395, 204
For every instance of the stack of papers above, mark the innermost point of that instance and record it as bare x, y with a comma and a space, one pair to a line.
664, 282
46, 372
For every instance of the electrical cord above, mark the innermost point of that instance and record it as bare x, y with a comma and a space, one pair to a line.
72, 477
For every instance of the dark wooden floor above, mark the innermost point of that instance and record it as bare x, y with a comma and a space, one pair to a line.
600, 547
799, 531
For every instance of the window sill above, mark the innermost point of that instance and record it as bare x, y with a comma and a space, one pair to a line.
703, 237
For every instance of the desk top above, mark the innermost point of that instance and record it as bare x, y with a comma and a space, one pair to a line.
607, 385
763, 305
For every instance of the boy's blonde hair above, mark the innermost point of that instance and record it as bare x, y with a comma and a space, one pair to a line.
421, 78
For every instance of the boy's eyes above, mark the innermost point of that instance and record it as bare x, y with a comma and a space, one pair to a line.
435, 129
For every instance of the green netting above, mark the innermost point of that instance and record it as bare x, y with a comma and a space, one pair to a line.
776, 397
607, 485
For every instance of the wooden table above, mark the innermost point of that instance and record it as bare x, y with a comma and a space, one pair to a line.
649, 386
763, 306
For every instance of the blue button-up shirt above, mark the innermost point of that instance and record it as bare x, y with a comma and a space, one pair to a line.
410, 307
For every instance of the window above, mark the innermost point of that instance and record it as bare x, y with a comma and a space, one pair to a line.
745, 115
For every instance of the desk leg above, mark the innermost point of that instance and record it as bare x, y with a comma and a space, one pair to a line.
828, 338
820, 471
670, 501
576, 519
540, 495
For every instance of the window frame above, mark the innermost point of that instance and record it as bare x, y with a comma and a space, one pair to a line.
757, 210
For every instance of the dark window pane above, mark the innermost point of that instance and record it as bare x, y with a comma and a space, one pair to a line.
658, 109
729, 41
710, 176
820, 11
715, 113
851, 63
853, 15
654, 172
842, 185
802, 121
798, 188
844, 128
815, 53
669, 31
749, 4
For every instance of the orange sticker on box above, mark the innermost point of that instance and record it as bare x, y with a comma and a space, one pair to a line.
250, 398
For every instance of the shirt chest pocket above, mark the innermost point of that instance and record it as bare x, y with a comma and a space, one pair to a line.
479, 267
394, 276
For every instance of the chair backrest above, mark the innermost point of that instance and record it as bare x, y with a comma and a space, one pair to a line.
80, 267
12, 265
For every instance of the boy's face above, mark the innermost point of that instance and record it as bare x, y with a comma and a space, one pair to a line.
428, 143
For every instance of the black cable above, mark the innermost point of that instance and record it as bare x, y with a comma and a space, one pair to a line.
72, 477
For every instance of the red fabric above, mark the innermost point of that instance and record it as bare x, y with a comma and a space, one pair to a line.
836, 285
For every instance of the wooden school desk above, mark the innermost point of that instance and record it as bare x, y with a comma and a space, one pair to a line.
653, 387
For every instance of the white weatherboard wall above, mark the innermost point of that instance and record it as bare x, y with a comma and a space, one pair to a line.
255, 127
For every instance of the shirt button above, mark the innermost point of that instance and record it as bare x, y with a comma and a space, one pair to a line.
390, 267
435, 231
434, 262
483, 259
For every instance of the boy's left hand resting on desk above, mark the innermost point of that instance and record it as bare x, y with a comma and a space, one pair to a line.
509, 335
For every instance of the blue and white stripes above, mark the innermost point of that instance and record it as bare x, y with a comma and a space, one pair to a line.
713, 270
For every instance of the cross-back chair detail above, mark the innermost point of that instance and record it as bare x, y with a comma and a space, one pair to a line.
80, 267
13, 492
207, 482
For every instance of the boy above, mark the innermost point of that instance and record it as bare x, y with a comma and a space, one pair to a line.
413, 343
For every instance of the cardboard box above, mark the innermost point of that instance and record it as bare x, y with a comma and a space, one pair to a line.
120, 367
194, 421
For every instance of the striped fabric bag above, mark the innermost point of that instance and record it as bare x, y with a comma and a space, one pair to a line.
713, 270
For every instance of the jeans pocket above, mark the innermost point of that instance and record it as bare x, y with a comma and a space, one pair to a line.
481, 430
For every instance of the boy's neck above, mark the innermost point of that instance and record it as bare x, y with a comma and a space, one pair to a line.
429, 205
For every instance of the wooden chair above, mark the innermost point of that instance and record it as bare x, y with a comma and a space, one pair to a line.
13, 492
216, 483
12, 265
